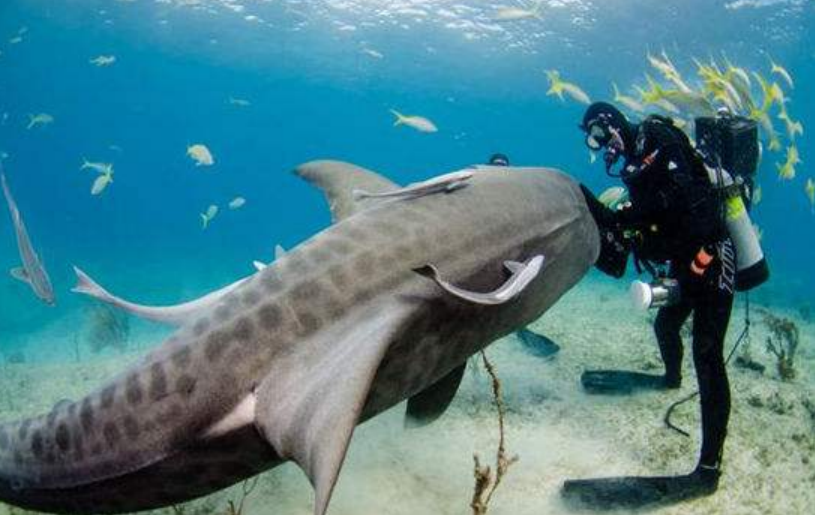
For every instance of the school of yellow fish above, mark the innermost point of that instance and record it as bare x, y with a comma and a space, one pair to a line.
718, 84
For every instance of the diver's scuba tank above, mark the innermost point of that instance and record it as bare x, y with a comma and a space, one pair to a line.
730, 151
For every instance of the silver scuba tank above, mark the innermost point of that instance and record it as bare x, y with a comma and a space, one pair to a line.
751, 265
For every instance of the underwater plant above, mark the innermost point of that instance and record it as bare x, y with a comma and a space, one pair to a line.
485, 482
107, 327
247, 488
782, 343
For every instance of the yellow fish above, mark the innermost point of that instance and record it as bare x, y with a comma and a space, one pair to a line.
420, 123
102, 182
787, 170
766, 123
652, 98
793, 128
35, 120
558, 86
200, 154
207, 217
810, 191
780, 70
629, 102
757, 196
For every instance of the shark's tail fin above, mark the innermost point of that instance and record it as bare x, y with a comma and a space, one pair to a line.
87, 286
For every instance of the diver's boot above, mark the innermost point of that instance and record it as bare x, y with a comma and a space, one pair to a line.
622, 382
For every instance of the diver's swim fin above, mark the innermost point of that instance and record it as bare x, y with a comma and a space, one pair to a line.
622, 382
614, 493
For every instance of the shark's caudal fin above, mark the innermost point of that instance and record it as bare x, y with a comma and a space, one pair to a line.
308, 413
87, 286
338, 180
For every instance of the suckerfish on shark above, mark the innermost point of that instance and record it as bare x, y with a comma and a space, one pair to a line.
337, 331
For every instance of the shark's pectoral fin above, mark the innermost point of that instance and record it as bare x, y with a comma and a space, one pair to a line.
259, 265
310, 402
338, 180
522, 275
429, 404
20, 274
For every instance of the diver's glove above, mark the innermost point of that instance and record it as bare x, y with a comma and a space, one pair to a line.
633, 492
623, 382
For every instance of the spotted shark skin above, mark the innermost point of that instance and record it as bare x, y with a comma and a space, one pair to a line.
335, 332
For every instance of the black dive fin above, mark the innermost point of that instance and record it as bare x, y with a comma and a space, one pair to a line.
621, 382
429, 404
614, 493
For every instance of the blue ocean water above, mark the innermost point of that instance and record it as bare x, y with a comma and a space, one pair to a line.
320, 78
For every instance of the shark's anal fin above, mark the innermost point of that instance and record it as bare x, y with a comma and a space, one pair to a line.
20, 274
311, 400
429, 404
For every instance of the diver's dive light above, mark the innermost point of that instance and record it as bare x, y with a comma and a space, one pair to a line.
658, 294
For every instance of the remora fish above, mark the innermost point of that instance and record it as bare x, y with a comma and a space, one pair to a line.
32, 270
443, 183
286, 366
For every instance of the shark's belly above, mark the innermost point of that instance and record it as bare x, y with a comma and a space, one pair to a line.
192, 472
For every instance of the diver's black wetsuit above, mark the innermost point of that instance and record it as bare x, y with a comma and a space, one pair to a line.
674, 213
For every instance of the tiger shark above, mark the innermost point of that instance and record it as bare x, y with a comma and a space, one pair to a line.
356, 319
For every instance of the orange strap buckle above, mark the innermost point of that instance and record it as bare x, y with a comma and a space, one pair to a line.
701, 262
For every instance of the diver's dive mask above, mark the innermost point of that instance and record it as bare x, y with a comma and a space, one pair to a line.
599, 134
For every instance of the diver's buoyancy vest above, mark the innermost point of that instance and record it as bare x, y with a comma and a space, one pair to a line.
730, 140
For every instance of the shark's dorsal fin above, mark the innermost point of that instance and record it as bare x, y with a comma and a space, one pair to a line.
429, 404
338, 180
311, 400
20, 274
279, 252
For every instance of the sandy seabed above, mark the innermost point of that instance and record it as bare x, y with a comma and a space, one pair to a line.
557, 430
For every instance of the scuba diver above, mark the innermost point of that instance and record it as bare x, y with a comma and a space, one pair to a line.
676, 228
534, 343
498, 160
